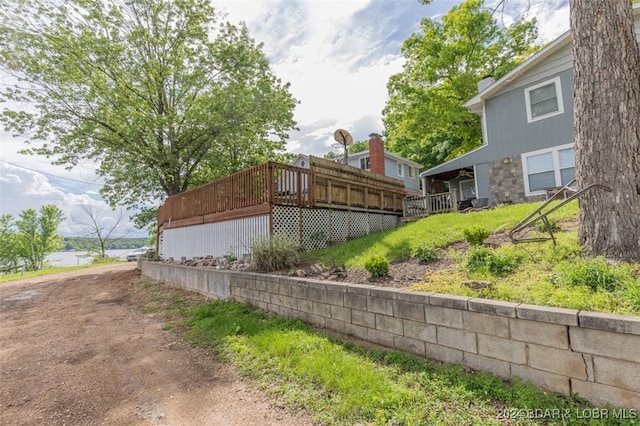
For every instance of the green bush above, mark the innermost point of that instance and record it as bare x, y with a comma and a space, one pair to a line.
425, 252
377, 265
475, 236
593, 273
484, 259
273, 254
541, 227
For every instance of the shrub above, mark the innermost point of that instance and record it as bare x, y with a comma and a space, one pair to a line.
475, 236
377, 265
541, 227
273, 254
425, 252
593, 273
484, 259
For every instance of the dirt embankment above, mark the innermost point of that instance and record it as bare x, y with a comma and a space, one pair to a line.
77, 349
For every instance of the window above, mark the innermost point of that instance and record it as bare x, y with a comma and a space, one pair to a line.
544, 100
364, 163
548, 169
412, 172
400, 169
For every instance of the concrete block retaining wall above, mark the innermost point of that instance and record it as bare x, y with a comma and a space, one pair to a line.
563, 350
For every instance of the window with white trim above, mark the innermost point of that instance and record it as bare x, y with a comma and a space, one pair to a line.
548, 168
400, 168
365, 163
412, 172
544, 100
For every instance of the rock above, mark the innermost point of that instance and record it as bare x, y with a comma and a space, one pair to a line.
301, 273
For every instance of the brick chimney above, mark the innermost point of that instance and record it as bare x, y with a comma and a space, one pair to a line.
376, 154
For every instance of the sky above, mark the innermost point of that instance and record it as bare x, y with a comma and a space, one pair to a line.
338, 56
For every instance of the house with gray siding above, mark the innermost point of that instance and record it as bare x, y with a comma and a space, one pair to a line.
393, 165
527, 132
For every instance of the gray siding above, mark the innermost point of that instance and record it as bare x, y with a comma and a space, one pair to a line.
482, 181
390, 170
509, 132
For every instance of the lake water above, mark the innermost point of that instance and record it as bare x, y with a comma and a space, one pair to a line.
76, 258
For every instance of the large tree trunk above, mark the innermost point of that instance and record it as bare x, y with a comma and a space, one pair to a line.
606, 63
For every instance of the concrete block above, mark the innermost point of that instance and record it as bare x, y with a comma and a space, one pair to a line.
495, 307
265, 297
380, 337
449, 300
260, 285
547, 314
262, 305
443, 316
340, 313
541, 333
337, 287
312, 284
610, 322
322, 309
335, 325
485, 323
542, 379
299, 291
503, 349
357, 331
486, 364
305, 306
621, 374
362, 318
285, 288
606, 343
414, 296
335, 298
603, 394
380, 305
360, 289
315, 294
385, 293
355, 301
457, 339
408, 310
290, 302
407, 344
389, 324
276, 299
559, 361
420, 331
442, 353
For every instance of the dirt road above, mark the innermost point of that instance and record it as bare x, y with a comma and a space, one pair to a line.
77, 349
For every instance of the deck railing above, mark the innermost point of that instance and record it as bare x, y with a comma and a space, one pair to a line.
443, 202
326, 183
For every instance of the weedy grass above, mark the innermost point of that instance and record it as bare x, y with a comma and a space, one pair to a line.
41, 272
341, 383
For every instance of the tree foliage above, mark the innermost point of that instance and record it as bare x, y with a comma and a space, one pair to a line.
160, 94
101, 228
30, 238
425, 117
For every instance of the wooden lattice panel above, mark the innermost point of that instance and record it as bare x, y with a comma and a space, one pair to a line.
339, 226
286, 221
389, 221
359, 225
375, 222
315, 228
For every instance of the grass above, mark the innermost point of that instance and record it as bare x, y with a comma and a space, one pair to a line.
340, 383
41, 272
537, 273
437, 230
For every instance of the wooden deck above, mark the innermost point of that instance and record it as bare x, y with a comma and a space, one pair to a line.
254, 191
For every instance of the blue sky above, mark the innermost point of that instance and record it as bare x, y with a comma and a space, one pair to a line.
338, 57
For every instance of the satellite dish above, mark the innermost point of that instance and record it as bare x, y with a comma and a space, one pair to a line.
343, 138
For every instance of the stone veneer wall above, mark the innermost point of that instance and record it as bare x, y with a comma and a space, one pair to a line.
506, 180
594, 355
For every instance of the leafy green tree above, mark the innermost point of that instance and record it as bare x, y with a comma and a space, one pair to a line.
425, 117
8, 253
161, 94
37, 235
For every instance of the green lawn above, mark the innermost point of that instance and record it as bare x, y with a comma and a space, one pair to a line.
539, 273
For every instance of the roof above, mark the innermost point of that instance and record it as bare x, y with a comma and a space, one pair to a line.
387, 154
475, 103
